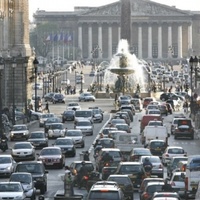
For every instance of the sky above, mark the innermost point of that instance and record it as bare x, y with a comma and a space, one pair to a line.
68, 5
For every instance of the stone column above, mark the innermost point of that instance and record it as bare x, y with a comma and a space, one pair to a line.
169, 41
149, 41
110, 41
140, 41
190, 37
90, 41
80, 42
159, 41
119, 33
180, 42
100, 41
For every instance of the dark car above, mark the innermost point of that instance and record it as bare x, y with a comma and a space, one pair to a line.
37, 169
164, 96
58, 98
106, 142
52, 157
106, 130
38, 139
135, 171
137, 152
129, 113
125, 184
68, 115
49, 96
163, 109
108, 170
157, 147
184, 129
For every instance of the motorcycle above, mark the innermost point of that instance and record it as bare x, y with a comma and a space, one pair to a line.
147, 169
3, 145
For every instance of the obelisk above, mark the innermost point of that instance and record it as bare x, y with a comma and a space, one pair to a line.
126, 20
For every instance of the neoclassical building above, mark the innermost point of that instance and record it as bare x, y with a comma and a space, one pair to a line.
158, 32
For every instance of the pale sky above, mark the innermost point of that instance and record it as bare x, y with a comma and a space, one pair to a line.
68, 5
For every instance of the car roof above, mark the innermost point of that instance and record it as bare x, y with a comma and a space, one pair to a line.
155, 183
130, 163
119, 175
110, 149
80, 161
177, 147
151, 141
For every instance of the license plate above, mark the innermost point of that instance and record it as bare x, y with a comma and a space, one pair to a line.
49, 163
21, 155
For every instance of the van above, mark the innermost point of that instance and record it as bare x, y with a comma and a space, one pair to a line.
83, 114
146, 118
192, 176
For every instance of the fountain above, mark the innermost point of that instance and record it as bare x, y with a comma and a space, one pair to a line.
124, 71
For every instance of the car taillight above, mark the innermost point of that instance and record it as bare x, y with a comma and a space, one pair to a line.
167, 155
86, 177
186, 183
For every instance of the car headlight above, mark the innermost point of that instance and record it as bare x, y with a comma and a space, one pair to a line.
28, 187
8, 168
11, 134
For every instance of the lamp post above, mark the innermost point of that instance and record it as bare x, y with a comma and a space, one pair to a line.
14, 64
1, 69
195, 64
35, 63
123, 84
81, 91
101, 74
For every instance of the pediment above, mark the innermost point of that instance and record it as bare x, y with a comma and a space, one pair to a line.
138, 8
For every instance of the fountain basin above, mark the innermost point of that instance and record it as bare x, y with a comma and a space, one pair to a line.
122, 71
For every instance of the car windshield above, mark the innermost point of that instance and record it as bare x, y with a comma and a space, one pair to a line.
63, 142
10, 187
157, 144
154, 188
23, 178
107, 194
153, 159
73, 104
36, 135
4, 160
128, 169
122, 127
69, 112
56, 126
142, 152
120, 180
52, 120
87, 123
89, 166
73, 133
175, 151
88, 95
82, 113
50, 152
18, 128
31, 168
22, 146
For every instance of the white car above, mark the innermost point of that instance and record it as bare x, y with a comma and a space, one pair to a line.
56, 130
11, 190
171, 152
73, 106
44, 117
23, 151
7, 164
177, 182
19, 131
85, 126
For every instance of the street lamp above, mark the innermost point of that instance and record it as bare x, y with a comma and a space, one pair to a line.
81, 91
1, 69
14, 64
195, 64
123, 84
35, 63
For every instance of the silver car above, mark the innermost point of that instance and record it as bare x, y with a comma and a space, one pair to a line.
77, 136
85, 126
44, 117
7, 164
19, 132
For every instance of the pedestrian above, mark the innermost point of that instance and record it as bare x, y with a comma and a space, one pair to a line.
185, 107
47, 107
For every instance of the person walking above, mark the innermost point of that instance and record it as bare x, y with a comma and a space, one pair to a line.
47, 107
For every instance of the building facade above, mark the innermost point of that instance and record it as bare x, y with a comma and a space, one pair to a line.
15, 53
158, 32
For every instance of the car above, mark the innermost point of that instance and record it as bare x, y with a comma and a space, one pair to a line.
50, 121
52, 157
58, 98
85, 126
86, 97
39, 174
49, 96
110, 192
147, 100
129, 107
106, 130
106, 142
129, 113
114, 152
77, 136
123, 127
150, 189
172, 151
154, 112
134, 170
7, 165
177, 181
27, 183
157, 147
184, 129
113, 122
137, 103
12, 190
164, 96
173, 164
66, 145
163, 109
44, 117
152, 107
19, 132
125, 184
73, 106
97, 115
108, 170
137, 152
145, 181
124, 115
83, 114
56, 130
38, 139
23, 151
68, 115
166, 196
113, 134
174, 124
157, 169
119, 116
